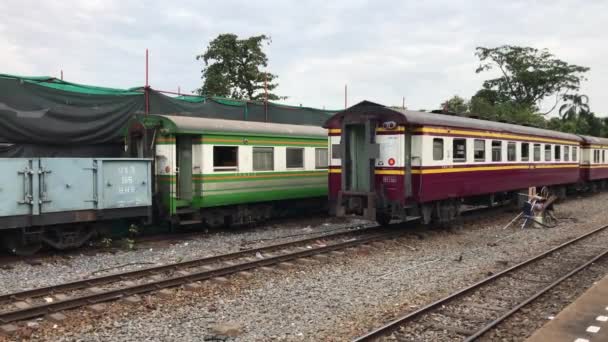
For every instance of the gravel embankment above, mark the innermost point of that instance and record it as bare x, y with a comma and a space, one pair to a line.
62, 268
338, 299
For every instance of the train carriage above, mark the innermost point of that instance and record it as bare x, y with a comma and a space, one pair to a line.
594, 161
389, 163
224, 172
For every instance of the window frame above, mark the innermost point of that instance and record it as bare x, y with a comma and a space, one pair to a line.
537, 148
574, 156
499, 149
226, 168
527, 157
566, 153
459, 160
550, 151
253, 153
475, 150
317, 167
440, 140
287, 161
514, 150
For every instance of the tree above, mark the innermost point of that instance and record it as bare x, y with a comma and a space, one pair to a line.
576, 105
528, 75
456, 104
232, 68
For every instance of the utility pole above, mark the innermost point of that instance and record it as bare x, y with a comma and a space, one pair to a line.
266, 97
147, 87
345, 96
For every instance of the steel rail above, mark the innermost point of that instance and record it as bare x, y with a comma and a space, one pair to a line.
395, 324
84, 283
530, 299
113, 294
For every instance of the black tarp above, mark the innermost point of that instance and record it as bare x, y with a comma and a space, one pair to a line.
45, 117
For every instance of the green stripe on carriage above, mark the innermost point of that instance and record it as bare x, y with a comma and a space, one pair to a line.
236, 197
166, 178
255, 176
213, 139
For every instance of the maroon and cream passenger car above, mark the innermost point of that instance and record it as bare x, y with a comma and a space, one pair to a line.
390, 163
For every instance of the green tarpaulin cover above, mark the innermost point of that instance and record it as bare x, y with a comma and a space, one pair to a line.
45, 116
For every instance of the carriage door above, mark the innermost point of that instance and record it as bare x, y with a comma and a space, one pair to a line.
360, 153
407, 162
184, 166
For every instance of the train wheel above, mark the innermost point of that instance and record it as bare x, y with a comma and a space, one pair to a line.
383, 219
15, 243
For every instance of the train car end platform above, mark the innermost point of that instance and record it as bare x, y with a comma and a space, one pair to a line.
584, 320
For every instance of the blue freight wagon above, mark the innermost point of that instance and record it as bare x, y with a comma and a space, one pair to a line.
60, 202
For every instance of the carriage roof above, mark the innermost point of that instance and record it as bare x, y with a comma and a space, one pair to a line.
196, 125
589, 140
415, 118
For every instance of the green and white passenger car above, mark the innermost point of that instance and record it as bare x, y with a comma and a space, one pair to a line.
224, 172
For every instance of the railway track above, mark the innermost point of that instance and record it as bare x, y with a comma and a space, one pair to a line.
471, 312
41, 301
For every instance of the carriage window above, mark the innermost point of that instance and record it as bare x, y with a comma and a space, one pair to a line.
566, 153
263, 158
295, 157
480, 150
321, 161
525, 151
437, 149
603, 156
594, 156
496, 150
511, 151
460, 150
225, 158
335, 151
536, 152
557, 153
574, 153
547, 152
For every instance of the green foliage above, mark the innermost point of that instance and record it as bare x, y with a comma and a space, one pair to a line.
576, 104
232, 68
106, 242
456, 105
482, 106
528, 75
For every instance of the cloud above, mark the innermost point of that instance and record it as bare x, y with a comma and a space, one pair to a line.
383, 50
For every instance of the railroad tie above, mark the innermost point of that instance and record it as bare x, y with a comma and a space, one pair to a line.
457, 330
8, 330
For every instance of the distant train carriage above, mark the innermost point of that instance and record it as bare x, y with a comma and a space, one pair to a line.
391, 163
223, 172
594, 162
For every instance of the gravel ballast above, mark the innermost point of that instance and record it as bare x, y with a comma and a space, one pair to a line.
62, 268
334, 300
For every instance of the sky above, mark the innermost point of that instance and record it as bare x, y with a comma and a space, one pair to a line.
423, 51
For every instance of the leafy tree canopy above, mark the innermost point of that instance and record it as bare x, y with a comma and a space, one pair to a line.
528, 75
232, 68
456, 104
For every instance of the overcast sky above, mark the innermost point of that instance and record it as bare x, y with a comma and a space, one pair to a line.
383, 50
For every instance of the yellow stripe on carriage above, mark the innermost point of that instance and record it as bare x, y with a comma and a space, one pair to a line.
390, 172
492, 168
471, 169
492, 135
